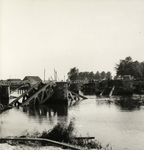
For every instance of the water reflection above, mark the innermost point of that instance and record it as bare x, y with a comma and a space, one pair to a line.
104, 100
46, 110
124, 102
88, 93
129, 102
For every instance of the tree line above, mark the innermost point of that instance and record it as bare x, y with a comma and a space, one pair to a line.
74, 74
125, 67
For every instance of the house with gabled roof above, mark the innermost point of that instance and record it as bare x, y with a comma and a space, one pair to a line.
32, 79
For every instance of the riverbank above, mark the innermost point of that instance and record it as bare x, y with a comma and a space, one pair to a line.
6, 146
60, 137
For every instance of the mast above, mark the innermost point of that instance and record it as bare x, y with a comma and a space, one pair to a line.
55, 75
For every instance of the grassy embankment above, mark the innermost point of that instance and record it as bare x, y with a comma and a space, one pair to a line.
61, 133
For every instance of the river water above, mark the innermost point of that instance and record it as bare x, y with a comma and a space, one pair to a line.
118, 121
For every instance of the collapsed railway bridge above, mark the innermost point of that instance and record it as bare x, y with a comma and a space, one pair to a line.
51, 92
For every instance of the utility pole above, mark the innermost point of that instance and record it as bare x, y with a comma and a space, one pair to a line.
44, 74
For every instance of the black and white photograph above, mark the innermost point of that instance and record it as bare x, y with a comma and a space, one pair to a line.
72, 74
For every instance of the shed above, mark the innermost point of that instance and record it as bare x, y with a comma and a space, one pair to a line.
32, 79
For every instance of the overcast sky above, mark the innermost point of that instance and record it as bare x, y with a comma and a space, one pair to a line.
92, 35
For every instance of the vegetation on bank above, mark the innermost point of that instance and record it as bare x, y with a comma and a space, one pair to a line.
67, 134
63, 133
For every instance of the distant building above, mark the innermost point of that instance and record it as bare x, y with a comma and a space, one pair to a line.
3, 82
32, 79
124, 77
127, 77
14, 81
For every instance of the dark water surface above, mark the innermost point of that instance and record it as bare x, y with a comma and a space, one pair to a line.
115, 120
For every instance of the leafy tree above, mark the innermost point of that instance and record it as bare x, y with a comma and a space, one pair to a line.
91, 75
86, 75
97, 75
123, 68
81, 76
136, 69
108, 75
128, 67
73, 74
103, 75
